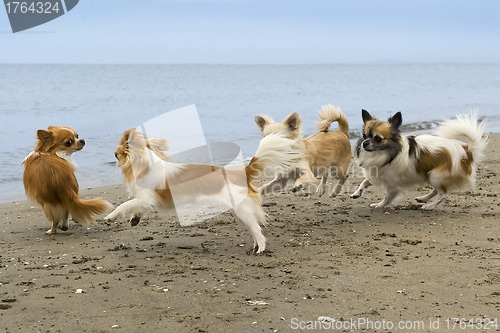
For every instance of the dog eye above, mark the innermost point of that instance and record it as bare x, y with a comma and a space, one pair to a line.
364, 135
377, 138
69, 143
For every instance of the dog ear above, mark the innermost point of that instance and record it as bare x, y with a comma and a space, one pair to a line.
262, 121
45, 140
396, 120
292, 121
366, 116
44, 135
126, 136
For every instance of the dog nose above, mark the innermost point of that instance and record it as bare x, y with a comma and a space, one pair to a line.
366, 143
82, 142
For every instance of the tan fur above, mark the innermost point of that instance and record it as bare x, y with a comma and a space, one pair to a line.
466, 163
441, 162
328, 114
326, 152
50, 180
379, 127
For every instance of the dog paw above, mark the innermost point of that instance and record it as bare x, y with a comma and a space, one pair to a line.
50, 232
259, 247
257, 250
336, 191
297, 188
378, 205
428, 207
423, 199
356, 195
320, 190
134, 220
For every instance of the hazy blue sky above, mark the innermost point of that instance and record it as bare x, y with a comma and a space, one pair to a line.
261, 31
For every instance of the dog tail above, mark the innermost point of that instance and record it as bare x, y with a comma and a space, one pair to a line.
467, 126
275, 153
329, 114
85, 211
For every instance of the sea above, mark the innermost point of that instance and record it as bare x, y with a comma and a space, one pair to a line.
101, 101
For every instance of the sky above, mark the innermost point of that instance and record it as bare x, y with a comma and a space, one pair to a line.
261, 32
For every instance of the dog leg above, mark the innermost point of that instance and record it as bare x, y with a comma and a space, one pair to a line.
389, 197
277, 184
320, 190
135, 219
259, 241
134, 206
307, 178
362, 187
338, 187
431, 205
437, 181
427, 197
56, 214
250, 213
53, 230
64, 223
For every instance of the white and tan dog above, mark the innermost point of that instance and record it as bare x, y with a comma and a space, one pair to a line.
325, 153
154, 180
398, 161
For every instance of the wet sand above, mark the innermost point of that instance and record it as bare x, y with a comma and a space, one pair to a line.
335, 258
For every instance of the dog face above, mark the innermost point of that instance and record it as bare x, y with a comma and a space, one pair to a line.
289, 128
58, 140
122, 151
133, 153
380, 135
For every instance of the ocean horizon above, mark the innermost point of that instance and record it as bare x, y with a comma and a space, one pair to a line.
100, 101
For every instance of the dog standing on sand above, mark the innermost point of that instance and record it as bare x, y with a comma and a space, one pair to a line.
49, 179
325, 153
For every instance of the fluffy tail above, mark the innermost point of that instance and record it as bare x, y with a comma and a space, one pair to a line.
469, 127
85, 211
329, 114
275, 153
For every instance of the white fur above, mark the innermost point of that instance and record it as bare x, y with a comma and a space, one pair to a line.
401, 172
279, 154
466, 126
66, 155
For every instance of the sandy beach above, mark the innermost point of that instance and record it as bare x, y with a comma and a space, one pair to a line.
333, 261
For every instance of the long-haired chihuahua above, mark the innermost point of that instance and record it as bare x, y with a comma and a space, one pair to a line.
327, 152
49, 179
444, 160
156, 182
